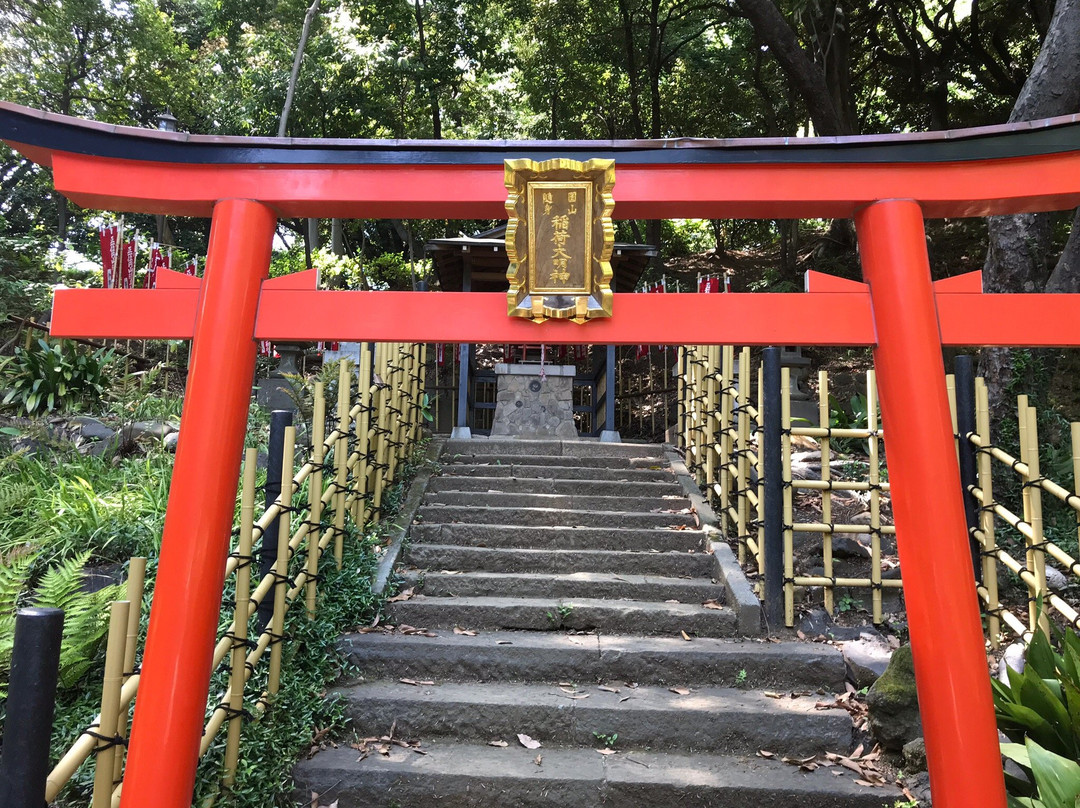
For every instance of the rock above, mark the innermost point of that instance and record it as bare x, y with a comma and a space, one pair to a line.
817, 623
919, 786
915, 755
894, 704
1056, 579
90, 428
145, 429
24, 444
848, 547
860, 518
1014, 657
866, 658
171, 440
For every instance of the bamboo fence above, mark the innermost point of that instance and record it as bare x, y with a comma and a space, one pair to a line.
720, 430
348, 473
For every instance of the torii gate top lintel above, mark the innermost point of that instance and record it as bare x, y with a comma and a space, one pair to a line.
968, 172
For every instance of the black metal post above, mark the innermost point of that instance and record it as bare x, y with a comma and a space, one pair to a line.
279, 421
35, 660
969, 477
774, 489
611, 367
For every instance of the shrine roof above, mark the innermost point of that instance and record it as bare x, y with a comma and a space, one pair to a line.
43, 133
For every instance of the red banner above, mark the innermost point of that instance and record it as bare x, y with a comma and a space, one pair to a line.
110, 236
127, 265
192, 267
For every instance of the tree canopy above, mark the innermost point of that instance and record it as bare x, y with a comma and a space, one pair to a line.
546, 69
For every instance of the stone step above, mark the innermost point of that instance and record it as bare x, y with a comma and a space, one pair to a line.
524, 485
567, 448
568, 461
572, 585
578, 614
534, 471
443, 514
487, 559
456, 775
522, 656
714, 719
568, 502
563, 538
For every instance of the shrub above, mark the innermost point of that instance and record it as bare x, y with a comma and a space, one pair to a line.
49, 377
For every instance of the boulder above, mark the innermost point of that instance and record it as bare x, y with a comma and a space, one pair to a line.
90, 428
915, 755
171, 440
894, 704
867, 658
146, 429
818, 623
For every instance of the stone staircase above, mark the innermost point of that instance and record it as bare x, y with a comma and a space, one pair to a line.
565, 592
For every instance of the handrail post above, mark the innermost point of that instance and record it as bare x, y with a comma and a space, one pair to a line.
969, 478
773, 510
280, 420
939, 587
35, 660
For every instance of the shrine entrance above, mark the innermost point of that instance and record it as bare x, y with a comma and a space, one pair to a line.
887, 183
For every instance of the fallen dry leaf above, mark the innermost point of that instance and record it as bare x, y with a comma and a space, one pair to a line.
765, 753
685, 636
499, 742
527, 742
403, 595
770, 694
607, 689
465, 631
539, 760
712, 604
606, 751
680, 691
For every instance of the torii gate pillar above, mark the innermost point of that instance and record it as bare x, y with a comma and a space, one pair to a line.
943, 614
202, 499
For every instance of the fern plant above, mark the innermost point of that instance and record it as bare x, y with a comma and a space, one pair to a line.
60, 587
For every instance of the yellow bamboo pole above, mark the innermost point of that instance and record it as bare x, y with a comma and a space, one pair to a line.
111, 686
788, 504
1036, 556
397, 411
240, 610
363, 439
873, 447
318, 427
826, 496
680, 398
281, 566
381, 428
742, 444
759, 514
1074, 429
986, 515
724, 477
341, 461
713, 367
950, 388
136, 584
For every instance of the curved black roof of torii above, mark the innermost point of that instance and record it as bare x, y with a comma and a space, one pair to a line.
47, 132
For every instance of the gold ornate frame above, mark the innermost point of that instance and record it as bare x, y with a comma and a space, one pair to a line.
529, 298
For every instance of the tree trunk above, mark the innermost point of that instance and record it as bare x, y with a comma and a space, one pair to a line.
1066, 275
772, 29
1016, 258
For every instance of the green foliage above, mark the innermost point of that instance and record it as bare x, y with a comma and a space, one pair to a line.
1055, 779
854, 416
60, 587
1039, 711
50, 377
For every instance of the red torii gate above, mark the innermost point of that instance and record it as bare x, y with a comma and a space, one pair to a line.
888, 183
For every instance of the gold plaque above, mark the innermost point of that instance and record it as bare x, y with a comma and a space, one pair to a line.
559, 238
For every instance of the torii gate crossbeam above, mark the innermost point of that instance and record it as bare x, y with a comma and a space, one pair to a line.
888, 183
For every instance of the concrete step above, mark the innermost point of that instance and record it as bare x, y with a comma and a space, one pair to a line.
569, 448
564, 538
519, 485
452, 460
486, 559
522, 656
456, 775
578, 614
572, 585
532, 470
714, 719
569, 502
442, 514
